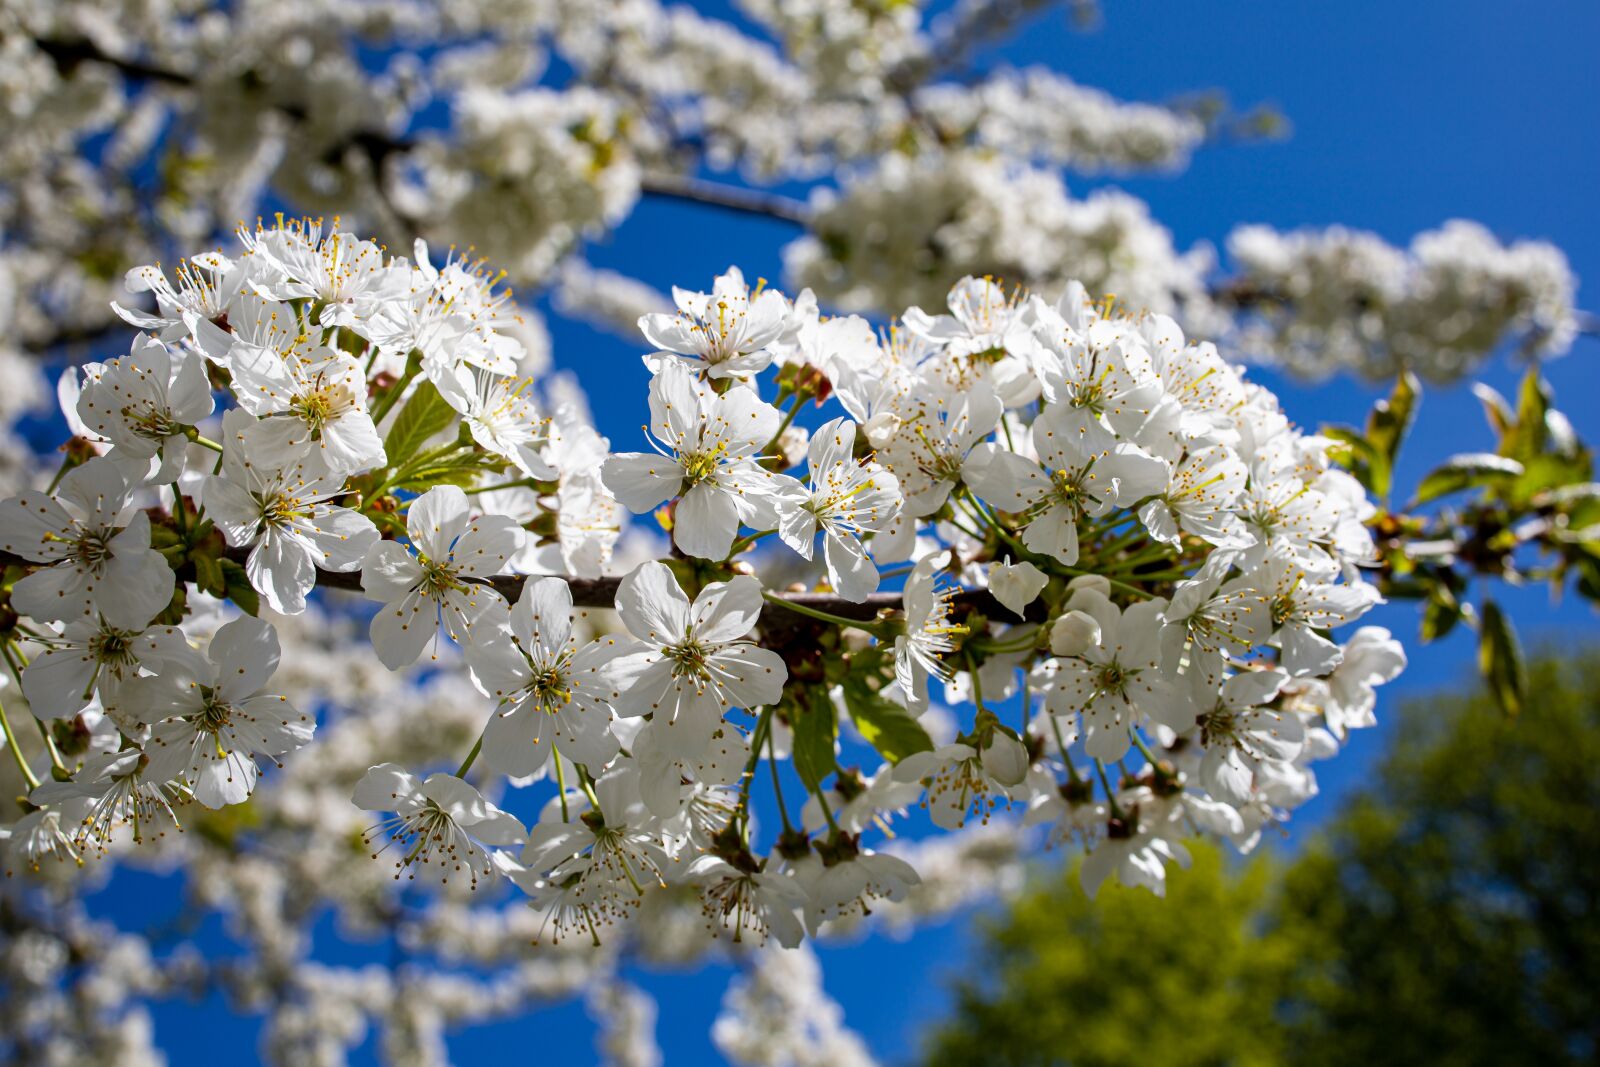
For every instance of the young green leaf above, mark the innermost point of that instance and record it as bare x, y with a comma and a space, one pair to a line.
1440, 614
1353, 452
1500, 659
1388, 424
424, 415
1527, 437
1466, 471
236, 583
816, 725
1502, 420
885, 725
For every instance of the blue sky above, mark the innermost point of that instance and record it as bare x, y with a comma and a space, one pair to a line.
1404, 115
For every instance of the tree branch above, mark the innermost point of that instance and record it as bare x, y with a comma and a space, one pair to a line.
68, 55
602, 593
727, 197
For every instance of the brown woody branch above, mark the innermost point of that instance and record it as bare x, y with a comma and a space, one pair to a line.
727, 197
602, 593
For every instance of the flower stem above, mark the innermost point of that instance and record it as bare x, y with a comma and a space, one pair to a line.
180, 515
16, 751
788, 420
62, 773
777, 789
472, 757
515, 483
561, 784
823, 616
389, 399
994, 648
1061, 746
1111, 796
747, 540
1027, 705
977, 685
586, 782
758, 737
1143, 748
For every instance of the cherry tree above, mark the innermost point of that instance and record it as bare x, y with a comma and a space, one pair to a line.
335, 598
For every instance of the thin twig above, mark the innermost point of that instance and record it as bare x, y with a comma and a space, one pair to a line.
726, 197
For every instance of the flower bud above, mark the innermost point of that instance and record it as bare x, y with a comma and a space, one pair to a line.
1006, 759
1074, 633
1099, 583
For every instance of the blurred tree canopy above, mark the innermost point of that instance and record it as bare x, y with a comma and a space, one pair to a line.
1446, 916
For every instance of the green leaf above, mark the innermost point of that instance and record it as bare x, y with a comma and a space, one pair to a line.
236, 583
1466, 471
1500, 659
816, 725
1527, 437
1579, 504
208, 574
1588, 571
1389, 419
1502, 420
458, 468
1387, 426
424, 415
1533, 403
1440, 614
885, 725
1547, 471
1353, 452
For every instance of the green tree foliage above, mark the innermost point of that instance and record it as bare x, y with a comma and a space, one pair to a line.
1446, 916
1457, 901
1122, 979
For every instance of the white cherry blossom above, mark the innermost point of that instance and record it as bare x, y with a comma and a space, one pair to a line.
209, 725
1204, 489
1240, 734
689, 663
845, 499
502, 417
929, 447
312, 403
928, 631
439, 585
1300, 604
441, 826
90, 659
961, 780
145, 402
285, 516
95, 547
709, 445
551, 692
1118, 682
1067, 483
728, 332
751, 904
120, 793
848, 887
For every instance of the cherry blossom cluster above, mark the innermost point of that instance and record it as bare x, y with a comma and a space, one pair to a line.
892, 235
1118, 561
1321, 301
528, 129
